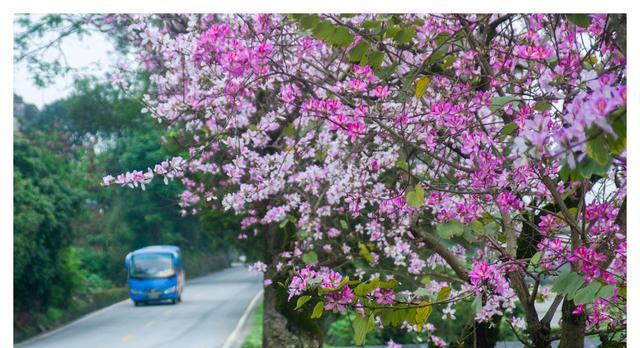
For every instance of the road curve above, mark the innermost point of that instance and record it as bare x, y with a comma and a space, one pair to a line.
210, 310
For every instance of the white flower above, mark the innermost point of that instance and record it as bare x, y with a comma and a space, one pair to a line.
448, 313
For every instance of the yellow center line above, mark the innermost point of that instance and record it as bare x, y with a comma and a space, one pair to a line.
127, 337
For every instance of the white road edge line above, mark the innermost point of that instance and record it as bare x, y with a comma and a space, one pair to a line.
236, 332
66, 326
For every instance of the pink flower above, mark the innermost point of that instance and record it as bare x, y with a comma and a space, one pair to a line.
375, 166
380, 92
258, 267
331, 280
480, 272
355, 129
534, 52
392, 344
384, 296
338, 299
333, 232
507, 201
579, 310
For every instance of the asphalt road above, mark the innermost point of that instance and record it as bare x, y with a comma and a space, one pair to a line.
210, 310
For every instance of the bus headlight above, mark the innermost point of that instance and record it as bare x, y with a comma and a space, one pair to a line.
170, 290
135, 292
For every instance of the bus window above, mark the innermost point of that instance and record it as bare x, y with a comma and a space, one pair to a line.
152, 266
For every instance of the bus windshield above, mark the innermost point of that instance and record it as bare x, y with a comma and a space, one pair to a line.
152, 266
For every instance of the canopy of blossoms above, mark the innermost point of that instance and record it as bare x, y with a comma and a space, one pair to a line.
447, 158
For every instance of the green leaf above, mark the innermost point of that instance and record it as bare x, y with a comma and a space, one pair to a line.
375, 58
441, 38
309, 21
587, 167
597, 150
448, 62
360, 327
391, 31
415, 199
606, 291
507, 130
477, 227
365, 253
564, 173
302, 300
443, 294
587, 294
535, 260
289, 130
324, 30
573, 287
317, 310
450, 229
387, 316
360, 290
310, 257
500, 102
402, 165
388, 284
341, 37
468, 235
404, 35
358, 51
542, 106
386, 72
344, 224
399, 317
371, 24
618, 144
423, 312
581, 20
437, 56
421, 86
477, 305
563, 280
421, 292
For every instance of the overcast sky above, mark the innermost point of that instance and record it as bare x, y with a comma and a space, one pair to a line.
91, 55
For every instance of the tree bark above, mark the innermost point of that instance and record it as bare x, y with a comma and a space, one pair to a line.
573, 327
278, 331
479, 335
282, 326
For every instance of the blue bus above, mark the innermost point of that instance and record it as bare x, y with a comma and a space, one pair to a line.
155, 274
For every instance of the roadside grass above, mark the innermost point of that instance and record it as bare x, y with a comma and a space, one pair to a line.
37, 323
254, 337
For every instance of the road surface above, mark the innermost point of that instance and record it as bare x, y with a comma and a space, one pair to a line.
210, 310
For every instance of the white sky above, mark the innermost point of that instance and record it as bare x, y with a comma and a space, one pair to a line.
91, 55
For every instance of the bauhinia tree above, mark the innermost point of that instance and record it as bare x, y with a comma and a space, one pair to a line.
397, 163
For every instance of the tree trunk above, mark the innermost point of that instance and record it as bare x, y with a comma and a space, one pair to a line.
282, 326
573, 327
540, 335
479, 335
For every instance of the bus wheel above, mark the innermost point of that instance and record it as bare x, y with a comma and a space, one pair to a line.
137, 303
174, 300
